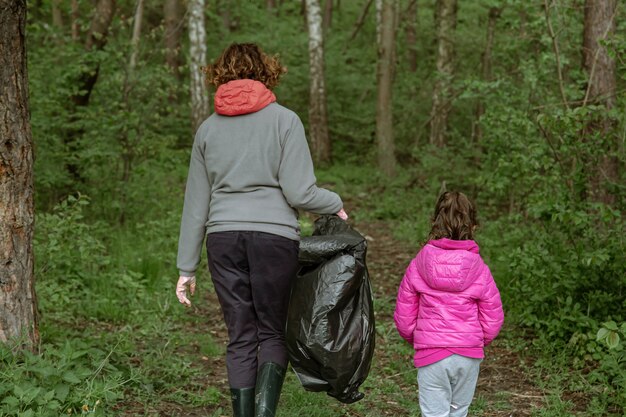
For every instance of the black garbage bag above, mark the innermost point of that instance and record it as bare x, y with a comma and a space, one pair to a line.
330, 328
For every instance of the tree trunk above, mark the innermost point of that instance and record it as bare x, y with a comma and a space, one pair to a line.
173, 23
385, 70
494, 14
379, 21
224, 12
599, 25
57, 16
601, 90
75, 16
96, 39
18, 303
197, 52
411, 35
359, 23
328, 15
445, 21
136, 36
318, 122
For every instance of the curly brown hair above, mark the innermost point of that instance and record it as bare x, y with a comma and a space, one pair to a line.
245, 61
454, 218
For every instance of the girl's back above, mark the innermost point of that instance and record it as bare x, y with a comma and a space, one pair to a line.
451, 281
448, 309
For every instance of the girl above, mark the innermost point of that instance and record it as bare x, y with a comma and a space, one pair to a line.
250, 171
448, 308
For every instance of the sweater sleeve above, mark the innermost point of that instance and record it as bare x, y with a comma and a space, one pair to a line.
490, 313
407, 305
195, 211
296, 177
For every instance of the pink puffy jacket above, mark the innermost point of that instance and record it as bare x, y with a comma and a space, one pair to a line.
448, 298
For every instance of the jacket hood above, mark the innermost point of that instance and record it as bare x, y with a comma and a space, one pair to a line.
239, 97
450, 265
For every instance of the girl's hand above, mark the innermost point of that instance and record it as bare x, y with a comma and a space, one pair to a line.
343, 215
181, 289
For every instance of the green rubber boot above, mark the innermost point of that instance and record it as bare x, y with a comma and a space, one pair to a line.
269, 382
243, 402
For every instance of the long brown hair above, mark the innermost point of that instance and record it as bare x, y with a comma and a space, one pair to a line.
454, 218
245, 61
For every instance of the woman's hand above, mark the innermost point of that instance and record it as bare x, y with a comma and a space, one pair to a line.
181, 289
343, 215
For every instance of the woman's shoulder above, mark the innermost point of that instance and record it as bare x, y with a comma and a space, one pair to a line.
283, 111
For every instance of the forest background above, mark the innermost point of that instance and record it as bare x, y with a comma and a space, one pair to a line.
519, 104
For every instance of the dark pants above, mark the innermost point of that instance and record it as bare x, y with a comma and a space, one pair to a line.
252, 273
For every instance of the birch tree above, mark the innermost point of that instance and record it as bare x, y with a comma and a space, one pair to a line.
136, 36
318, 121
18, 307
385, 71
445, 21
197, 52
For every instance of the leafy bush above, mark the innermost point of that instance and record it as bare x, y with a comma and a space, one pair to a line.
74, 378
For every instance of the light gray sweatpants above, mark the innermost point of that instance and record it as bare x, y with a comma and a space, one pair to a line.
446, 388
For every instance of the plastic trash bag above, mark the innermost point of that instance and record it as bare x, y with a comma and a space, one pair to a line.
330, 327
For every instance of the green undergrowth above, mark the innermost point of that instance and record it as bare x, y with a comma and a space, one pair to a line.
558, 262
115, 341
113, 337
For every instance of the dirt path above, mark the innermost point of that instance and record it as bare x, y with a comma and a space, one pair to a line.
504, 387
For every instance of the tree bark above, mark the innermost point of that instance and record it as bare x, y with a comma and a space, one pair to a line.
379, 20
18, 303
411, 35
385, 71
173, 23
445, 21
197, 52
318, 118
75, 16
328, 15
136, 36
599, 25
97, 37
494, 14
57, 16
601, 88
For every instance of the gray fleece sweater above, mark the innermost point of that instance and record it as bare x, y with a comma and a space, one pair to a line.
249, 172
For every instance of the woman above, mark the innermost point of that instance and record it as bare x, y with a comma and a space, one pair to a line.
250, 171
